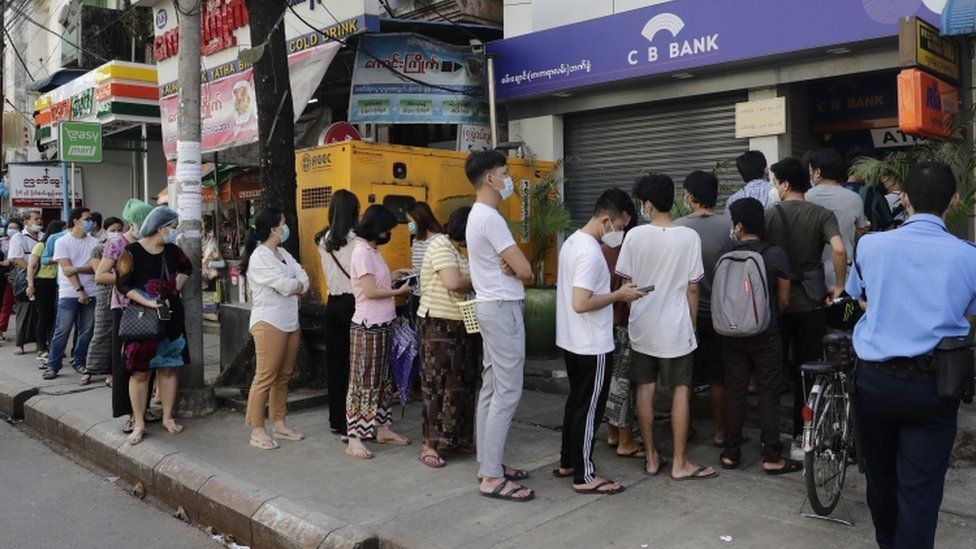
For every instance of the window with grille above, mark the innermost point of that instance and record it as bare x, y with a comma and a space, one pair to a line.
316, 197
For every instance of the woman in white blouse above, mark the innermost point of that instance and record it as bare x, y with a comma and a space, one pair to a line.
275, 282
335, 249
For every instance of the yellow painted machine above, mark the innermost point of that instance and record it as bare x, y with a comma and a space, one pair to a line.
394, 176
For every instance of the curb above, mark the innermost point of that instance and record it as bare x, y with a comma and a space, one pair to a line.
255, 516
13, 395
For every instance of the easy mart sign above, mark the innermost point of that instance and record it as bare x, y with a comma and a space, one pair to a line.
80, 142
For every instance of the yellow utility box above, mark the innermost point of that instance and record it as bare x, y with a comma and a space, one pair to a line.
396, 177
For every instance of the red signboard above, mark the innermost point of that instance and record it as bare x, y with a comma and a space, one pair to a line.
925, 104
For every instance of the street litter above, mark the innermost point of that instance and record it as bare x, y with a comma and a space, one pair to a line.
727, 539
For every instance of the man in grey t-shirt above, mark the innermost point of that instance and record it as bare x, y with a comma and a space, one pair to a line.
701, 194
827, 172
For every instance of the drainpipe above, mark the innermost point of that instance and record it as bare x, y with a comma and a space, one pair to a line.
492, 112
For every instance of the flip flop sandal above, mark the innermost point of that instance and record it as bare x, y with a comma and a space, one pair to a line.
559, 474
136, 436
509, 495
664, 463
696, 475
432, 461
597, 491
516, 476
613, 444
639, 453
128, 426
728, 462
367, 455
394, 441
85, 379
288, 436
791, 466
272, 445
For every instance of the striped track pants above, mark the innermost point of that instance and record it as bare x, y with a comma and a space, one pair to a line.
589, 382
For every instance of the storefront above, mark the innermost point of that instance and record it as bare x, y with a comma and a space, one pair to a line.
658, 88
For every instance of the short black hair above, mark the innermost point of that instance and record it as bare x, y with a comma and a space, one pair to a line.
749, 212
76, 214
457, 224
96, 218
481, 162
789, 170
16, 221
376, 220
656, 188
112, 221
614, 202
830, 163
930, 187
703, 187
751, 165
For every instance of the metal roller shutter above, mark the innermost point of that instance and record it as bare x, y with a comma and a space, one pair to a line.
612, 147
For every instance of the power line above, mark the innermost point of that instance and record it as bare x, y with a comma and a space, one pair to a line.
61, 36
19, 58
384, 63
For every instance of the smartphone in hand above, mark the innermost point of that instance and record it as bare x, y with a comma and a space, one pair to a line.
647, 289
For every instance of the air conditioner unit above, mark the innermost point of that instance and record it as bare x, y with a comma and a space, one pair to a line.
70, 15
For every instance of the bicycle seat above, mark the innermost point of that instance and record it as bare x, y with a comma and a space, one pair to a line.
820, 367
835, 338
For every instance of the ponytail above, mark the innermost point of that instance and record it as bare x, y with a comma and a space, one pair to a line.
265, 220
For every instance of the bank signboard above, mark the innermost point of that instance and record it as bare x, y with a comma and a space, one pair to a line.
681, 35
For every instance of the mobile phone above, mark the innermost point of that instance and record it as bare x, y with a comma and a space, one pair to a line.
400, 281
163, 313
647, 289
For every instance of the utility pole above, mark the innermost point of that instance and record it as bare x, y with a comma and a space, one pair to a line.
3, 65
195, 399
276, 112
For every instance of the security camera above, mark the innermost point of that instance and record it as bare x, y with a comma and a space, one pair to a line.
477, 46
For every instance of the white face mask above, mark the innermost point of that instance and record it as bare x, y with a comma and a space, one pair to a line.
111, 235
613, 239
507, 189
645, 215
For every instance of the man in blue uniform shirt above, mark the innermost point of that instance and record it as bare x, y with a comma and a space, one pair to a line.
919, 282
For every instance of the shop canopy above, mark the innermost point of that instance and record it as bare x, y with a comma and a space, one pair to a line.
959, 17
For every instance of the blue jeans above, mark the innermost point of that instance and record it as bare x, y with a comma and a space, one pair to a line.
71, 313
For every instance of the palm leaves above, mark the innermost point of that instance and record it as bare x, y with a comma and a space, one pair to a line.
545, 217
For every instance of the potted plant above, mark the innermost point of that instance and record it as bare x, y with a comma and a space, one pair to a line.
546, 217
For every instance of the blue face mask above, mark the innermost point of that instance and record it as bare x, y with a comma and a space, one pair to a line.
285, 233
4, 221
412, 227
170, 237
88, 226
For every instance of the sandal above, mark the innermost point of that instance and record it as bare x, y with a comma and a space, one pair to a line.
660, 467
19, 351
394, 441
559, 474
152, 416
294, 435
172, 427
515, 475
638, 452
596, 489
268, 444
729, 462
509, 495
365, 454
136, 437
791, 466
696, 475
128, 426
85, 379
431, 460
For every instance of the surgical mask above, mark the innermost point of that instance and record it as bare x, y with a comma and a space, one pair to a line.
112, 235
613, 239
732, 236
412, 227
508, 188
170, 237
383, 239
285, 233
36, 228
88, 226
11, 232
645, 215
4, 221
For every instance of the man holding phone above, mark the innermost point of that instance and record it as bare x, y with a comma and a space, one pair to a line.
584, 330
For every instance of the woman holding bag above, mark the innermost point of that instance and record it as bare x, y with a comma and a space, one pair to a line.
150, 273
275, 282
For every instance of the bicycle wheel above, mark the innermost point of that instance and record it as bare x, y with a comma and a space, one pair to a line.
825, 465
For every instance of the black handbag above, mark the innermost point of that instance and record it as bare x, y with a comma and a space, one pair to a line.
954, 362
141, 322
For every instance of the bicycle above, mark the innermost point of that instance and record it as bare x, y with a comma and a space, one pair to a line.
829, 442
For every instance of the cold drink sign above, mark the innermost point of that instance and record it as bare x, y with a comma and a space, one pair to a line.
80, 142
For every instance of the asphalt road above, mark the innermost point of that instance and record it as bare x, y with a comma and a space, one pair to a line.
47, 500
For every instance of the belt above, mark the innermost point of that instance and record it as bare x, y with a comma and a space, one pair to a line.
919, 367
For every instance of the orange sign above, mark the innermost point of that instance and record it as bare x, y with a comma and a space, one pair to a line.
925, 104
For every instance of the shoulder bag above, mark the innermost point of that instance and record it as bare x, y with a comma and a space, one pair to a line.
812, 281
141, 322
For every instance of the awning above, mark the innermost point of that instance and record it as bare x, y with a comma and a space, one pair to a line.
959, 17
55, 80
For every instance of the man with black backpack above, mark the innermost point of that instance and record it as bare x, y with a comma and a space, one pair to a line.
750, 289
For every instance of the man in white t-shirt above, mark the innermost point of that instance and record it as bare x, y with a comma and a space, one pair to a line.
498, 267
662, 325
19, 249
76, 291
584, 331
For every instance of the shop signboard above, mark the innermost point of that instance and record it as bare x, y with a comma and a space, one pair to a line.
227, 97
926, 104
760, 117
889, 138
380, 96
474, 137
681, 36
854, 102
921, 45
80, 142
39, 186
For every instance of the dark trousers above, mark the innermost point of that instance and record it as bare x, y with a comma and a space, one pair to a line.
907, 433
589, 382
760, 356
802, 342
7, 301
338, 316
46, 301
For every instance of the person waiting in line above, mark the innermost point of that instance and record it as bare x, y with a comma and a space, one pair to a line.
423, 227
802, 230
7, 271
906, 428
76, 292
759, 356
96, 231
370, 399
21, 245
276, 283
752, 167
662, 326
876, 208
336, 243
99, 360
151, 272
584, 331
42, 289
134, 213
620, 397
701, 194
449, 354
893, 192
498, 268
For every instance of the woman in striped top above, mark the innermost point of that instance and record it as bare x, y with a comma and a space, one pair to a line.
449, 355
423, 227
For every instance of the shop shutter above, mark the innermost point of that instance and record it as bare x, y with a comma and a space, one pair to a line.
612, 147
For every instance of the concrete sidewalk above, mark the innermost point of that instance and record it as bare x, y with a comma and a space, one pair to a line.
310, 494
